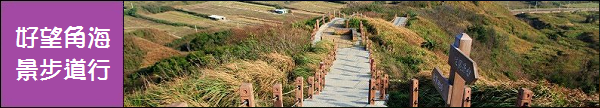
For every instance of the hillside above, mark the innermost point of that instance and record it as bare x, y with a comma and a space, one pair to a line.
508, 51
554, 55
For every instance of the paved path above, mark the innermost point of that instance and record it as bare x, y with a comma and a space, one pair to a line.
322, 28
347, 83
399, 21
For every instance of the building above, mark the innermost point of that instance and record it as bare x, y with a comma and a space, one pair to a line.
217, 17
281, 11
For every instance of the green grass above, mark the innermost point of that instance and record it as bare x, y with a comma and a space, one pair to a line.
505, 47
134, 13
548, 4
570, 30
582, 5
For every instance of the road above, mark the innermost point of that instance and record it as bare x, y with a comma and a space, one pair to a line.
399, 21
550, 10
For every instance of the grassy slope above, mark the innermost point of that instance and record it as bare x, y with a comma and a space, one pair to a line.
215, 83
217, 86
508, 50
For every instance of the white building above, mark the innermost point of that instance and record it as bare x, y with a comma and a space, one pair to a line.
281, 11
217, 17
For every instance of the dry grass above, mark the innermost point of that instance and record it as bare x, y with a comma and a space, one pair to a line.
310, 6
239, 72
241, 5
154, 52
260, 73
213, 87
156, 36
235, 10
180, 17
132, 24
283, 63
396, 32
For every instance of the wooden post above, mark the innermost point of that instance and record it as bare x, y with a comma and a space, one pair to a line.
311, 86
278, 95
458, 83
347, 22
318, 25
371, 92
370, 55
467, 97
382, 88
377, 81
360, 24
335, 46
331, 16
380, 79
524, 99
372, 66
299, 91
386, 84
323, 80
322, 67
367, 44
414, 93
317, 82
312, 36
323, 18
247, 95
334, 13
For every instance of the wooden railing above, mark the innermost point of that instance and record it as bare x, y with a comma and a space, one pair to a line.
453, 90
315, 85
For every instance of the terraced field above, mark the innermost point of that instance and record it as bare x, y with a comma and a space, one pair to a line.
133, 23
236, 10
181, 17
176, 20
311, 6
239, 14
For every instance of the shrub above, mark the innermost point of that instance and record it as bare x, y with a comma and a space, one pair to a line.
206, 41
592, 38
476, 3
429, 44
307, 24
130, 12
302, 71
157, 9
199, 58
319, 48
478, 32
340, 2
193, 13
168, 69
302, 59
410, 61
